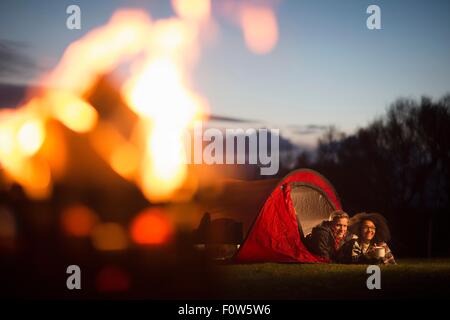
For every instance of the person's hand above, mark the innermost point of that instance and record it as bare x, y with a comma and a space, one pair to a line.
372, 253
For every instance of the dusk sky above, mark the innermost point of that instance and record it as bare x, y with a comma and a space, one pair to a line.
327, 67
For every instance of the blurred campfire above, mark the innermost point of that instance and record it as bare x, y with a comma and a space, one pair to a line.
91, 165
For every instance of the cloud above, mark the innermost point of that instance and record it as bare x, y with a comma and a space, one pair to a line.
11, 95
13, 61
310, 129
229, 119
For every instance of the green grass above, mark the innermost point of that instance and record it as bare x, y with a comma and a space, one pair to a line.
408, 279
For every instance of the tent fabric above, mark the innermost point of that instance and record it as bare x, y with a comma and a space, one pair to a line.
275, 235
239, 200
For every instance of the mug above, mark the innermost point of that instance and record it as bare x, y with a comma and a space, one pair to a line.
380, 252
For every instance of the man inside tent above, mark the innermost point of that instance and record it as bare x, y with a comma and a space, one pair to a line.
327, 238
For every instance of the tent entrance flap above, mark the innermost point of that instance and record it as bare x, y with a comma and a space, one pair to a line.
311, 206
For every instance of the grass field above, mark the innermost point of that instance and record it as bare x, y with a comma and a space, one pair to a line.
408, 279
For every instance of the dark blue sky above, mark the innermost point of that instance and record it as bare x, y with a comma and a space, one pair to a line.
327, 68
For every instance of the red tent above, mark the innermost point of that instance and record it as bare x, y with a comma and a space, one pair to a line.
299, 201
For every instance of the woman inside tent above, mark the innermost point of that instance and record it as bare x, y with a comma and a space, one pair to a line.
368, 245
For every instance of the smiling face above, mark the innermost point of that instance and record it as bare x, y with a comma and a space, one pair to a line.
340, 227
368, 230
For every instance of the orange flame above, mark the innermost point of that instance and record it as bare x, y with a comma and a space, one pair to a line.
157, 91
159, 94
192, 9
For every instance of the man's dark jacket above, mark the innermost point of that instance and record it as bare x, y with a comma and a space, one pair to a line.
321, 242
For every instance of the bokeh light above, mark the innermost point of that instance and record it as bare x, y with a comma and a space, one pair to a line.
109, 236
112, 279
260, 28
78, 220
151, 227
